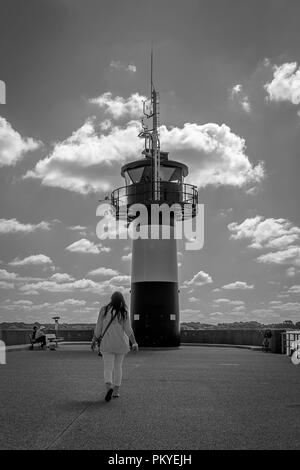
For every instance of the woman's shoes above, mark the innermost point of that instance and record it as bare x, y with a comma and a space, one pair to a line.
109, 394
116, 393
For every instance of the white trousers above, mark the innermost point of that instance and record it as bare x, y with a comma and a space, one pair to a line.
113, 367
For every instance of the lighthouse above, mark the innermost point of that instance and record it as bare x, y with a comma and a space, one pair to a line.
154, 181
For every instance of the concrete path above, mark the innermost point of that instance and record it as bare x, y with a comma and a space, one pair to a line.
190, 398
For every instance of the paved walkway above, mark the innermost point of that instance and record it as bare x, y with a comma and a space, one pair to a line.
190, 398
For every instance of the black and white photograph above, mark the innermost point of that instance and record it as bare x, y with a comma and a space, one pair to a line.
149, 228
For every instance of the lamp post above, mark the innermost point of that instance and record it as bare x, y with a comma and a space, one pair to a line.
56, 318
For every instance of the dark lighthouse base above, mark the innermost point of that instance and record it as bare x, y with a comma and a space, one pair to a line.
155, 313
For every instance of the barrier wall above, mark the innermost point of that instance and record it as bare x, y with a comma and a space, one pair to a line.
238, 337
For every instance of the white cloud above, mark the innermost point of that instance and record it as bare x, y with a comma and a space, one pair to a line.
294, 289
131, 68
216, 156
265, 233
61, 277
263, 312
13, 226
292, 271
127, 257
72, 302
6, 285
246, 104
277, 234
119, 107
32, 260
84, 162
230, 302
78, 228
200, 279
243, 99
86, 246
88, 160
290, 255
13, 146
239, 309
238, 285
103, 272
105, 287
86, 285
285, 85
288, 307
236, 89
5, 275
193, 299
118, 65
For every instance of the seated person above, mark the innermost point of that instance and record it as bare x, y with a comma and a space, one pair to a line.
38, 336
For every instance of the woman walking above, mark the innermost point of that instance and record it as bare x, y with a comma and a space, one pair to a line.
114, 331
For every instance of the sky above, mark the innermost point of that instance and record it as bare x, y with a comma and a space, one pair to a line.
75, 73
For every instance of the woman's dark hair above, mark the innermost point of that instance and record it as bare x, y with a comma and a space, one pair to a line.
118, 305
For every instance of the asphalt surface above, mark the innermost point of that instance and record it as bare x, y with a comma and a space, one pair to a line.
189, 398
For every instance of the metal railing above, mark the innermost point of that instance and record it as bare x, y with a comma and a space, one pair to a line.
183, 194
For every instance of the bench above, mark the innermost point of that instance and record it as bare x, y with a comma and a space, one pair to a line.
52, 338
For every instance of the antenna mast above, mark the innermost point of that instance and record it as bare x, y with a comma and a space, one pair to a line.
152, 142
155, 135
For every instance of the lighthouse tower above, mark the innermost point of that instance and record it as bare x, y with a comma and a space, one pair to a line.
151, 180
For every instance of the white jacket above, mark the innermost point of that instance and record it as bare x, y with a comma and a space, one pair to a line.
116, 338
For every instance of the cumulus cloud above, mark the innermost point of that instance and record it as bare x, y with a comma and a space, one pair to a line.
238, 285
200, 279
119, 107
216, 156
289, 307
237, 303
86, 246
5, 275
85, 161
294, 289
79, 228
291, 272
89, 160
103, 272
127, 257
285, 85
6, 285
62, 277
105, 287
279, 235
265, 233
236, 89
290, 255
238, 93
13, 146
32, 260
13, 226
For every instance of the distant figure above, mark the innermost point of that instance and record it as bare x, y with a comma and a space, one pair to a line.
267, 340
113, 331
39, 336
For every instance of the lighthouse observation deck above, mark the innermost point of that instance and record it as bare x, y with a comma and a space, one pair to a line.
171, 187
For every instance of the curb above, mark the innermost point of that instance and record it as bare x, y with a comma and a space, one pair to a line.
22, 347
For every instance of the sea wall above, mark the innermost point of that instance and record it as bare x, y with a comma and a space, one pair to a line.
214, 336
